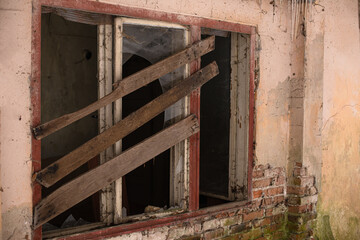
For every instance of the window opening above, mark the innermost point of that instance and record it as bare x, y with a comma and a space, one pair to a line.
149, 183
224, 121
151, 41
122, 49
69, 59
136, 43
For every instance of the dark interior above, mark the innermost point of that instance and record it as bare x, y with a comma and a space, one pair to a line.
149, 183
68, 83
215, 126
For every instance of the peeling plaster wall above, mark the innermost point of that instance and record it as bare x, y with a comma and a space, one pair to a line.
15, 49
325, 63
339, 200
272, 101
276, 67
15, 68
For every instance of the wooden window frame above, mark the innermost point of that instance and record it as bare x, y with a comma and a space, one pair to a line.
111, 199
195, 23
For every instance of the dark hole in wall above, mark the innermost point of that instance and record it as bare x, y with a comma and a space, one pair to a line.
68, 83
215, 126
149, 183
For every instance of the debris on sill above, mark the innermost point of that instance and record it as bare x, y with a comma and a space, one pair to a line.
151, 209
70, 221
151, 212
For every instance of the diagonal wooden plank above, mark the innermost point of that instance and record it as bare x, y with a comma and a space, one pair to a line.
89, 183
62, 167
129, 84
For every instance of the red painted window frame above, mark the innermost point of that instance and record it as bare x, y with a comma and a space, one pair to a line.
195, 24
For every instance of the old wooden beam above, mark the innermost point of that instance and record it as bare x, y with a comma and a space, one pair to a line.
65, 165
130, 84
215, 32
72, 230
89, 183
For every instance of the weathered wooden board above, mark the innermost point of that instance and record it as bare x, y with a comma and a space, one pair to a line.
94, 180
71, 230
62, 167
130, 84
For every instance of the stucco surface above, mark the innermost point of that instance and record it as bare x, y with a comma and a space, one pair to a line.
15, 68
340, 131
271, 101
329, 142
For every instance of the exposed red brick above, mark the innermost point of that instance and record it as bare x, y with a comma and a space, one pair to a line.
268, 212
304, 181
273, 191
253, 234
253, 215
299, 172
262, 222
239, 211
296, 190
278, 199
239, 228
231, 214
302, 200
268, 201
222, 215
213, 234
257, 194
195, 237
274, 172
298, 209
298, 164
255, 204
280, 180
258, 173
262, 183
310, 207
278, 218
293, 200
301, 218
274, 227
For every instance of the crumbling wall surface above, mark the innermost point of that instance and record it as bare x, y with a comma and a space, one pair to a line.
339, 207
274, 47
15, 68
263, 218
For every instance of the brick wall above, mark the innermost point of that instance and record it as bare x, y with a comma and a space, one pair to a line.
262, 218
280, 208
301, 202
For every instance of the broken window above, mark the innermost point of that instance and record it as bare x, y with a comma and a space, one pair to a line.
224, 121
137, 45
69, 63
116, 118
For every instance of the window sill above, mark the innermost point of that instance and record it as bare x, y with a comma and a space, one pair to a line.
153, 221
